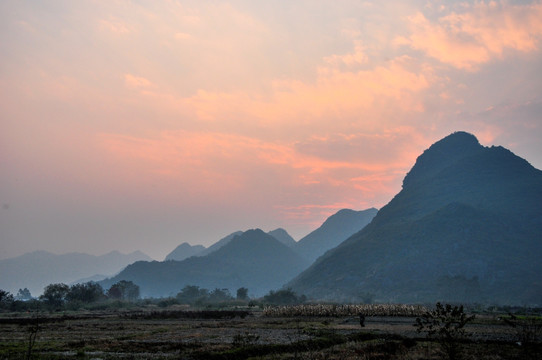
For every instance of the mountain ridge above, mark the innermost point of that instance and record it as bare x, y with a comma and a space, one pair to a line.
467, 229
253, 259
335, 229
183, 251
37, 269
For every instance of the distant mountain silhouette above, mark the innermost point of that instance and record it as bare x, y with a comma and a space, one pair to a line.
337, 228
283, 236
466, 227
38, 269
253, 259
217, 245
184, 251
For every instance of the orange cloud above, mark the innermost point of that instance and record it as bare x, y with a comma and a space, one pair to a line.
230, 167
477, 35
134, 82
178, 149
338, 94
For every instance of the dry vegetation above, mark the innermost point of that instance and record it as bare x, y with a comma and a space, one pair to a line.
345, 310
297, 332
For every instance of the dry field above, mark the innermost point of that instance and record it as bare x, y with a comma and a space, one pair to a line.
179, 334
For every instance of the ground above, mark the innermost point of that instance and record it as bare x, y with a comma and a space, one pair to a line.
178, 333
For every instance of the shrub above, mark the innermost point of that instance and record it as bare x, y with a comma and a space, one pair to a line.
528, 328
447, 324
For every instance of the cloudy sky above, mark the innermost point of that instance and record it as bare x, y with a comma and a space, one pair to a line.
138, 125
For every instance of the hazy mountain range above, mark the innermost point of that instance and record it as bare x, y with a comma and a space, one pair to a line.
185, 250
253, 259
38, 269
466, 227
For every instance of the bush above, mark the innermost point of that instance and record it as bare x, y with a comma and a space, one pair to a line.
528, 328
447, 324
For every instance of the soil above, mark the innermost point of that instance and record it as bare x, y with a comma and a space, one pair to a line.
173, 334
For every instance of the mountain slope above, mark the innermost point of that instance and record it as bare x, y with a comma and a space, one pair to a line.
337, 228
217, 245
254, 260
40, 268
184, 251
466, 227
283, 236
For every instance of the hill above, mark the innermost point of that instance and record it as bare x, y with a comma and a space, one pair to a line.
253, 259
217, 245
337, 228
184, 251
283, 236
466, 227
38, 269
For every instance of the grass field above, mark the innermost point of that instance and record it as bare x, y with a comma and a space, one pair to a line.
177, 333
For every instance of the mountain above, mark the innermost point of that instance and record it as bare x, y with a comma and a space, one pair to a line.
38, 269
466, 227
183, 251
217, 245
337, 228
283, 236
253, 259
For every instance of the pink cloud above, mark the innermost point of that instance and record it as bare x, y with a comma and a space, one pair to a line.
479, 34
230, 167
312, 214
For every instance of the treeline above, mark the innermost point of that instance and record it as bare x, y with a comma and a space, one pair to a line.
91, 295
194, 295
61, 296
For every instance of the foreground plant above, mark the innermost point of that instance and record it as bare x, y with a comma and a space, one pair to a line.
528, 332
446, 324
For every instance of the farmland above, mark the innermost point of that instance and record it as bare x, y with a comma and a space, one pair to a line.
179, 332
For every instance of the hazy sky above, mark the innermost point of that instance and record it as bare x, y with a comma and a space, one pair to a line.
138, 125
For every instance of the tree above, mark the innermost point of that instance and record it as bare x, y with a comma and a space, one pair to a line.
242, 293
447, 324
55, 294
88, 292
220, 295
284, 297
191, 294
123, 290
6, 299
23, 294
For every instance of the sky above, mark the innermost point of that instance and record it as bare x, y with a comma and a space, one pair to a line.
139, 125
